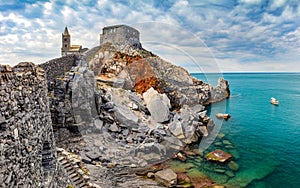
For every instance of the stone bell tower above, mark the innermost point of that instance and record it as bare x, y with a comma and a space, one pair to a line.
66, 42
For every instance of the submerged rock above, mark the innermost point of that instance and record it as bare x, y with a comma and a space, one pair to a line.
218, 156
233, 166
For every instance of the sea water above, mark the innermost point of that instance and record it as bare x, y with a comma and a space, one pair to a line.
264, 138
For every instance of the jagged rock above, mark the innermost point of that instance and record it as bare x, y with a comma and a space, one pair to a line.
203, 130
220, 92
113, 128
158, 105
173, 144
83, 94
151, 152
125, 117
218, 156
176, 129
166, 177
98, 124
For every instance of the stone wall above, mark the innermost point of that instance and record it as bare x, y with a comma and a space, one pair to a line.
27, 156
57, 67
120, 35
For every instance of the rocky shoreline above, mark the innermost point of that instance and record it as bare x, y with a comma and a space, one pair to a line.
140, 112
117, 113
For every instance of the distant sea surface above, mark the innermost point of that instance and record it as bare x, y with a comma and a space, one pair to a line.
265, 138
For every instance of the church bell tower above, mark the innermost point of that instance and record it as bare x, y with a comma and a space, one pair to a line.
66, 42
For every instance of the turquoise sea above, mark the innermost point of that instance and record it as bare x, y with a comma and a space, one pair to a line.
264, 139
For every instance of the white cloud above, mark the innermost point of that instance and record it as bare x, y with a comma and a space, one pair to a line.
235, 34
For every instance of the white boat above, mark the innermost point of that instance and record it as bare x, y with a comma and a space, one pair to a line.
274, 101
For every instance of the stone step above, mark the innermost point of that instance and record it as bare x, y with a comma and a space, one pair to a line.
71, 176
76, 178
82, 185
69, 169
79, 182
60, 158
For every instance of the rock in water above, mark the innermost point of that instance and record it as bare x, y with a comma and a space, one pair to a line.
158, 105
223, 116
166, 177
233, 166
218, 156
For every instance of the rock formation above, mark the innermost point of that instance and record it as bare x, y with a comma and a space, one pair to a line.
117, 107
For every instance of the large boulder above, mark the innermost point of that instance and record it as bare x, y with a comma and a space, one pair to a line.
125, 117
158, 105
166, 177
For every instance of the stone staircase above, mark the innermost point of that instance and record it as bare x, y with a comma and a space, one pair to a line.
73, 167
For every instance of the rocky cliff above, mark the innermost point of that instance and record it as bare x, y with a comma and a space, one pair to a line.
121, 110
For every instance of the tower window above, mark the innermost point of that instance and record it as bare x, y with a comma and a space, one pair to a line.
65, 39
66, 45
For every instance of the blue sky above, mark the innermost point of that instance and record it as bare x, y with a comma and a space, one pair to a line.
200, 35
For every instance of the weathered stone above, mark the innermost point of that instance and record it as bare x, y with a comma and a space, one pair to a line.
125, 117
218, 156
166, 177
158, 105
93, 155
98, 124
176, 129
2, 119
113, 127
203, 130
221, 91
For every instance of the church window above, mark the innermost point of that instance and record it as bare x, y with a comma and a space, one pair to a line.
66, 45
65, 39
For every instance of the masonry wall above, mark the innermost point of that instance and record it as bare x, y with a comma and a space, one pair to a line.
27, 156
120, 35
57, 67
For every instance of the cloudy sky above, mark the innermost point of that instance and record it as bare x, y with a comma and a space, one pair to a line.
200, 35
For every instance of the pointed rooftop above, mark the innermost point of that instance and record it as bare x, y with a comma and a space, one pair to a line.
66, 32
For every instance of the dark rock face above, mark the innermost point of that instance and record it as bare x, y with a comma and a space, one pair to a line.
73, 101
27, 145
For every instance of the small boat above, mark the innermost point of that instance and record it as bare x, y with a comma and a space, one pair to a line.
274, 101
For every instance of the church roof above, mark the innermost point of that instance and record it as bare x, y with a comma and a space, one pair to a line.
75, 48
66, 32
